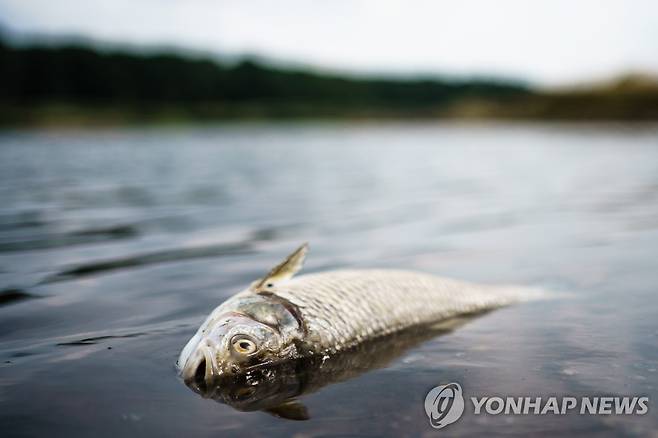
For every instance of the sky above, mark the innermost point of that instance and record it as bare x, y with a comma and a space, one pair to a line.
552, 42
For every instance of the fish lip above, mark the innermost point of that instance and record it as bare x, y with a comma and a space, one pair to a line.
203, 354
212, 368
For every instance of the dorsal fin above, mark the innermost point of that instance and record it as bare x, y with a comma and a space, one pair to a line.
284, 270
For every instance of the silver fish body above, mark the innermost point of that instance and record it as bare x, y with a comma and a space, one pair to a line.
280, 317
342, 308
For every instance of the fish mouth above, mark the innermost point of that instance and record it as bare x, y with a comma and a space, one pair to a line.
201, 367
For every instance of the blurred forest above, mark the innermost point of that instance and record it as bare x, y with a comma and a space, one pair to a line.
80, 84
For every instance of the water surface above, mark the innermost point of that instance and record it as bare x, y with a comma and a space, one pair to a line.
114, 245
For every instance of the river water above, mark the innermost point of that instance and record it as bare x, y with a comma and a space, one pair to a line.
115, 243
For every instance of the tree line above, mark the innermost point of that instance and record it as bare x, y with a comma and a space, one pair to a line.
83, 74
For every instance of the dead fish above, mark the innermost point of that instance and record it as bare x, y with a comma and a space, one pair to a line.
279, 317
277, 389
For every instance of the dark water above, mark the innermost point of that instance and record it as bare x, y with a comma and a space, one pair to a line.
114, 245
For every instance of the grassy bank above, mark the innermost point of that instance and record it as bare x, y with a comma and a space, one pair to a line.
551, 107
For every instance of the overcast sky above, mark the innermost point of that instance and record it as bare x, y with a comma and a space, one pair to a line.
549, 42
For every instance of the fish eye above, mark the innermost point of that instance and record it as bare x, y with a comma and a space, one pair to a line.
243, 345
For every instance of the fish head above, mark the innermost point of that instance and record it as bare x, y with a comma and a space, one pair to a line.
243, 334
254, 328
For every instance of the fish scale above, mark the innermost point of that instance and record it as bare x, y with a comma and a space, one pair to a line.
341, 308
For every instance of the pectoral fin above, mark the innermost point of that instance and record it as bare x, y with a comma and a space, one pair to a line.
290, 410
284, 270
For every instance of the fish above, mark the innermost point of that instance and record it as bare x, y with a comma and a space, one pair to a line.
282, 316
277, 389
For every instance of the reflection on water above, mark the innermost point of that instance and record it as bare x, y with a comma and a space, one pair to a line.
115, 244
